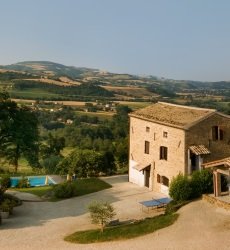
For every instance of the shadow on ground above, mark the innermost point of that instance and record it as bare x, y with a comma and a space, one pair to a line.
32, 214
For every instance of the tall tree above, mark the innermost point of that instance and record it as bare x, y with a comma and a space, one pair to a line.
85, 163
53, 146
18, 132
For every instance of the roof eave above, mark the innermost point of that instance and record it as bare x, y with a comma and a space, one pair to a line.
158, 122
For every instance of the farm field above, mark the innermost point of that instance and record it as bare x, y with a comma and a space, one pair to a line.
134, 105
130, 91
101, 115
66, 103
34, 93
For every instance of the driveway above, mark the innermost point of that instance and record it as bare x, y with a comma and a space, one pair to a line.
43, 225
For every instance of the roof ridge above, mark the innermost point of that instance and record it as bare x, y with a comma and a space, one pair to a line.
187, 107
224, 115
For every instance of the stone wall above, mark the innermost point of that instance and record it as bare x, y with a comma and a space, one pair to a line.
177, 142
202, 134
216, 202
158, 135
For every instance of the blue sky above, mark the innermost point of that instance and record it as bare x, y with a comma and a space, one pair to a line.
178, 39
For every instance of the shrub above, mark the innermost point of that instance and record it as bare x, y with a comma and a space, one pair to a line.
5, 205
23, 183
14, 200
180, 188
64, 190
201, 183
5, 182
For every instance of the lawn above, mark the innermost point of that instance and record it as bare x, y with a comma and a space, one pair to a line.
39, 191
90, 185
122, 232
82, 187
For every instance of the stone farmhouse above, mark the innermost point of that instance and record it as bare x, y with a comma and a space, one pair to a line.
168, 139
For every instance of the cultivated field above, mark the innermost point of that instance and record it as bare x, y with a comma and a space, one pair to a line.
130, 91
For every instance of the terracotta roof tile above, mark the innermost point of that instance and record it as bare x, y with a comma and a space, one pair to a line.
173, 115
199, 150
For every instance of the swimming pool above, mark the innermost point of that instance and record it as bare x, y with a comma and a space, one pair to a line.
33, 180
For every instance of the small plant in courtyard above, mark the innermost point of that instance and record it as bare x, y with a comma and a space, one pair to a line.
183, 188
64, 190
101, 213
180, 188
201, 183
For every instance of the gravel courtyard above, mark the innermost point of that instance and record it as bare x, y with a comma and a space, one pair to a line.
43, 225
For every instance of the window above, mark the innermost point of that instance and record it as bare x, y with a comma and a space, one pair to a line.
158, 178
217, 133
147, 144
163, 153
165, 181
165, 134
147, 129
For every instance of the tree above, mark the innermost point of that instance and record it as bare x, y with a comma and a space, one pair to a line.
53, 146
50, 163
18, 132
120, 122
121, 151
101, 213
86, 163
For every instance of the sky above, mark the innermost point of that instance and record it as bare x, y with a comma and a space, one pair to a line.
176, 39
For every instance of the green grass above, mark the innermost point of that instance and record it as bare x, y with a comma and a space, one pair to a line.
135, 105
34, 93
123, 232
23, 167
101, 115
82, 186
90, 185
39, 191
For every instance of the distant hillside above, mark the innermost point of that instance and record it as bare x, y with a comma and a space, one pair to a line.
37, 77
46, 68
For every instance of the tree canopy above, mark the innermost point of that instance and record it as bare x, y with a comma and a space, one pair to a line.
18, 132
85, 163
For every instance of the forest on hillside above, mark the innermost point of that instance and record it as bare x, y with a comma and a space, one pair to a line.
101, 145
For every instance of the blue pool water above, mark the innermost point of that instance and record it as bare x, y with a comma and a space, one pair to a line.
33, 180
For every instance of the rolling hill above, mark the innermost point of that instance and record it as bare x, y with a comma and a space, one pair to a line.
48, 80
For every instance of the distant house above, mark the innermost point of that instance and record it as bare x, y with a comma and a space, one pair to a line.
69, 121
168, 139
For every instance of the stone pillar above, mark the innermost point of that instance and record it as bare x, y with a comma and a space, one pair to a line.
189, 164
217, 183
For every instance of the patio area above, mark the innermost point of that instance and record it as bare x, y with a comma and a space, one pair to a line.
44, 224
